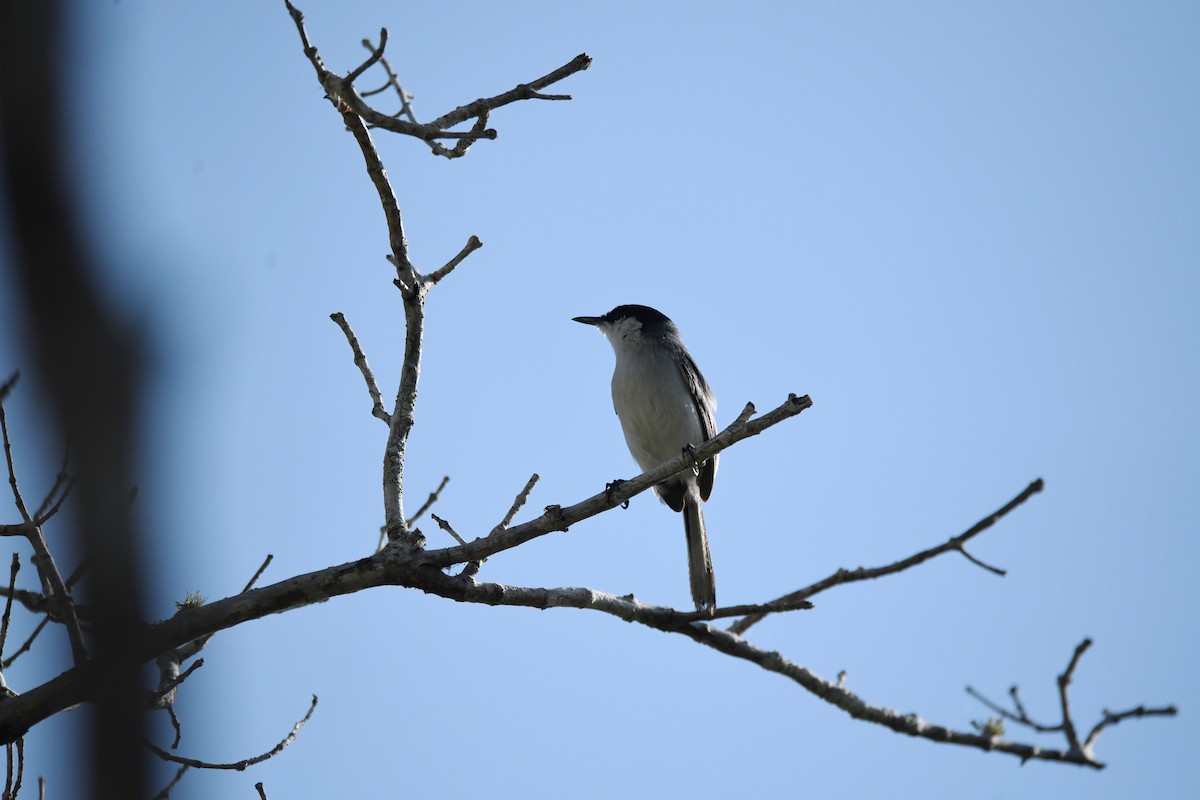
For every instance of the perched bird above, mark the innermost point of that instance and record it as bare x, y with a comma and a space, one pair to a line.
665, 407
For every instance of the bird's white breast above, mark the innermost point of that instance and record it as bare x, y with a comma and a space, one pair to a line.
654, 404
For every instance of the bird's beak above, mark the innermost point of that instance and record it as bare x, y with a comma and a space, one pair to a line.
588, 320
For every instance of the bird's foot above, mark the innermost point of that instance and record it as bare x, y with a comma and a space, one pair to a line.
609, 488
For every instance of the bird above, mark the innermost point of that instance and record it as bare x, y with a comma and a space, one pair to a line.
665, 407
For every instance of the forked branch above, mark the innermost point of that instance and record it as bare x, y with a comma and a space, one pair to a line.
342, 92
1080, 753
955, 543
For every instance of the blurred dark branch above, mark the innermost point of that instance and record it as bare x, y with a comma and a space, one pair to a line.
88, 364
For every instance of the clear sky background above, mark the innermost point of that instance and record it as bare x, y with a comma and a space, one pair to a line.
971, 232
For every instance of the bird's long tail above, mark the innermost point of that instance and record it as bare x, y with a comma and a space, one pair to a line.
704, 583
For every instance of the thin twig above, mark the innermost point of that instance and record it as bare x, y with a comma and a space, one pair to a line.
1015, 693
20, 767
171, 715
262, 568
237, 765
46, 606
166, 790
174, 682
7, 387
360, 361
520, 500
376, 54
393, 82
978, 563
525, 91
48, 570
62, 481
844, 576
1112, 719
471, 246
1019, 717
429, 501
12, 585
447, 528
24, 648
45, 516
8, 455
1064, 682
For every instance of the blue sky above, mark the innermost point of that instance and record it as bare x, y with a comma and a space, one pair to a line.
968, 231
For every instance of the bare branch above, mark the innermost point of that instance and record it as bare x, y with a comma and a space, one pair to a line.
1083, 751
258, 573
7, 387
356, 115
237, 765
557, 518
39, 603
28, 644
1112, 719
520, 500
1019, 717
471, 246
447, 528
393, 82
844, 576
855, 706
8, 455
627, 608
8, 772
20, 766
12, 585
1064, 682
978, 563
45, 516
163, 696
12, 782
412, 290
433, 498
56, 590
360, 361
171, 715
346, 98
60, 489
376, 54
694, 626
165, 792
524, 91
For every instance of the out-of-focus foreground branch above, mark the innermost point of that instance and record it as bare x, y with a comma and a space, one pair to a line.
88, 363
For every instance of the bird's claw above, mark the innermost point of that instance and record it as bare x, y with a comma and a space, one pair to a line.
611, 487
